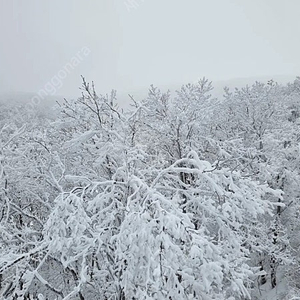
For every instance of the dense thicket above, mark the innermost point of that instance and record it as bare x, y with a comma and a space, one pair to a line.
179, 197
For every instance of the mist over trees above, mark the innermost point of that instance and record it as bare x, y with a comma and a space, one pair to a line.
181, 196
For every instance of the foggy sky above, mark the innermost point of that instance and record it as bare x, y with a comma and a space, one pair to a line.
134, 43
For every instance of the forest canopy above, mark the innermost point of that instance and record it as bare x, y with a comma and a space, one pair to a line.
180, 196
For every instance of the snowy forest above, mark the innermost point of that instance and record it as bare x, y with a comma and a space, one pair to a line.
180, 196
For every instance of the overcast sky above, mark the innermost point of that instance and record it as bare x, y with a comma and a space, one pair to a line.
134, 43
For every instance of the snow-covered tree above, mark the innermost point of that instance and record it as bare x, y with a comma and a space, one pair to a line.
184, 197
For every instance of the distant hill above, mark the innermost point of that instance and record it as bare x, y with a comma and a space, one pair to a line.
23, 100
